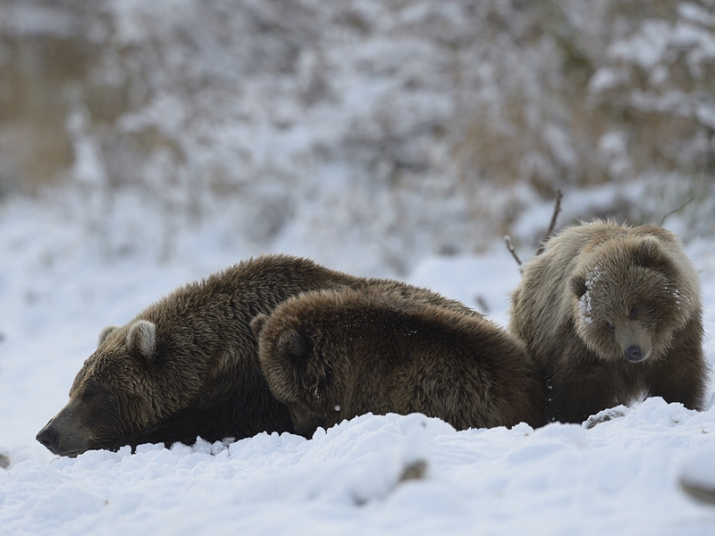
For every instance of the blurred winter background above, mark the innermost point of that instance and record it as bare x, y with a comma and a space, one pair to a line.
144, 144
367, 134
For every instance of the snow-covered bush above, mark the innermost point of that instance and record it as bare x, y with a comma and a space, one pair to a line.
412, 127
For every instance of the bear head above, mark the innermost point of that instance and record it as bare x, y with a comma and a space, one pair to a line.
628, 298
130, 383
298, 372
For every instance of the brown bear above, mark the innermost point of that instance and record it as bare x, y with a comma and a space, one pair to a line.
333, 355
187, 366
612, 313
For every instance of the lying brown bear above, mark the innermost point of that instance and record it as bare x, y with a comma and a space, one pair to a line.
332, 355
187, 366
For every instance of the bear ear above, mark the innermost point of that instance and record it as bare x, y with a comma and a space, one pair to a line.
104, 334
578, 285
141, 340
257, 324
650, 254
292, 347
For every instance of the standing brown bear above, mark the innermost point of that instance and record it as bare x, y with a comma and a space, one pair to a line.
187, 366
333, 355
612, 313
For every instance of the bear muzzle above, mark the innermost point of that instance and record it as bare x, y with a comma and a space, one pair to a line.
61, 439
634, 354
49, 437
634, 341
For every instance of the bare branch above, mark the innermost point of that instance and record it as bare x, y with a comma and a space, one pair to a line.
681, 207
552, 225
482, 304
510, 247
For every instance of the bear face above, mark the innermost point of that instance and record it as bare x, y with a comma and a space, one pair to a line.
110, 396
310, 386
625, 300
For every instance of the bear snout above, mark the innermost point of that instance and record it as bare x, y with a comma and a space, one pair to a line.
63, 436
634, 354
49, 436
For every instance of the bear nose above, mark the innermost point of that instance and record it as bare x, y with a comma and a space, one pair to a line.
634, 354
50, 438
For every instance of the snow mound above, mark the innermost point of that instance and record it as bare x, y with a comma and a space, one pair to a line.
383, 474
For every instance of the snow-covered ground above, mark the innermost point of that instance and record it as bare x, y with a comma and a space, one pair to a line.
63, 277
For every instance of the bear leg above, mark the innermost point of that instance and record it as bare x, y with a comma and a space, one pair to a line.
682, 374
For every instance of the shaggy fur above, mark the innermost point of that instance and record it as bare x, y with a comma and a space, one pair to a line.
612, 313
333, 355
187, 366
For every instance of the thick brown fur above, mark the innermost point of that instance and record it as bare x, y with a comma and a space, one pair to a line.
334, 355
187, 366
612, 313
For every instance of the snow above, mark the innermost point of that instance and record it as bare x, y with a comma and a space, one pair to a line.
584, 308
343, 145
584, 303
699, 470
65, 275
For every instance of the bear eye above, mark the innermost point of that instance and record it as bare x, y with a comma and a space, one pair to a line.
609, 326
633, 313
90, 392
